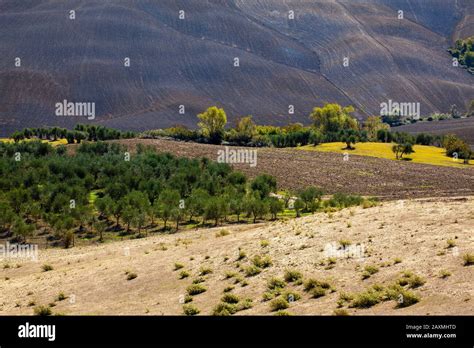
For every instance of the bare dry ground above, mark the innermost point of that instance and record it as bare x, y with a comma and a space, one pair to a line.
363, 175
415, 231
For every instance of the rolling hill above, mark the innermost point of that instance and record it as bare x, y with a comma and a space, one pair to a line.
190, 61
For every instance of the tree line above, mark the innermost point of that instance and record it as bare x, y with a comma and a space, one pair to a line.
79, 133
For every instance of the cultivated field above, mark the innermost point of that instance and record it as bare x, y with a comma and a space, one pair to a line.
363, 175
425, 237
423, 154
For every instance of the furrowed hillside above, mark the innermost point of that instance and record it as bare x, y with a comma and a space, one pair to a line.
190, 62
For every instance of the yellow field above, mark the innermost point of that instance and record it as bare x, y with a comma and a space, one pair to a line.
423, 154
53, 143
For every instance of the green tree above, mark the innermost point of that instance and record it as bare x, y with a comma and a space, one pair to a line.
212, 124
256, 207
402, 149
333, 118
21, 229
275, 206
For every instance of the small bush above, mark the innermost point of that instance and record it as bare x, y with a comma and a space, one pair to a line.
131, 275
242, 255
269, 295
283, 314
276, 283
188, 298
61, 297
292, 276
444, 273
317, 292
345, 243
183, 274
229, 288
178, 265
262, 262
291, 296
46, 267
189, 309
230, 298
224, 309
407, 299
369, 271
368, 298
397, 260
198, 280
340, 312
279, 304
204, 271
229, 275
451, 243
195, 289
468, 259
313, 283
264, 243
251, 271
222, 233
42, 311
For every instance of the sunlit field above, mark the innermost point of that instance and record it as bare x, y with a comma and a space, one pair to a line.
423, 154
52, 142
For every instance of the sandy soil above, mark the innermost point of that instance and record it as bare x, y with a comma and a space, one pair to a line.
94, 280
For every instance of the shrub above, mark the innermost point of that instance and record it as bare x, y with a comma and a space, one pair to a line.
222, 233
291, 296
279, 304
251, 271
189, 309
46, 267
282, 314
262, 262
131, 275
292, 276
230, 298
195, 289
224, 309
444, 274
269, 295
242, 255
188, 298
313, 283
183, 274
229, 275
317, 292
42, 311
468, 259
198, 280
368, 271
61, 297
264, 243
369, 298
204, 271
178, 265
340, 312
451, 243
229, 288
344, 242
397, 260
276, 283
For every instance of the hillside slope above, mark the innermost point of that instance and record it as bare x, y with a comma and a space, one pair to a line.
94, 281
190, 61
